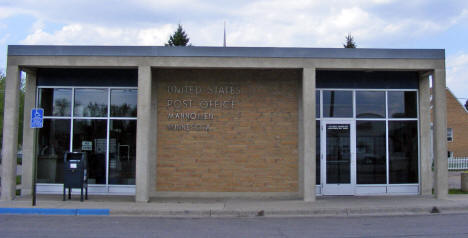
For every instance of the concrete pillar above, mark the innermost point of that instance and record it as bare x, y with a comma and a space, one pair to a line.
308, 124
28, 133
426, 175
144, 135
10, 133
154, 132
440, 134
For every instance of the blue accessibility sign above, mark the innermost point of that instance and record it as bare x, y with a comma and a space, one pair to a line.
37, 118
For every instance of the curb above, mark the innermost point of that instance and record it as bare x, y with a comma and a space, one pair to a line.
55, 211
240, 213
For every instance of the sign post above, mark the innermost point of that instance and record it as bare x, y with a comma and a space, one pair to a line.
37, 121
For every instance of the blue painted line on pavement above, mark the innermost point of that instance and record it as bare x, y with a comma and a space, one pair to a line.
101, 212
55, 211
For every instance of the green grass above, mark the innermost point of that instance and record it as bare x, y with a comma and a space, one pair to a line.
456, 191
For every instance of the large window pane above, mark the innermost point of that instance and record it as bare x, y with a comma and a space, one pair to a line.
402, 104
90, 136
338, 153
53, 142
370, 104
317, 104
337, 103
55, 101
317, 152
371, 152
90, 103
403, 150
123, 103
122, 151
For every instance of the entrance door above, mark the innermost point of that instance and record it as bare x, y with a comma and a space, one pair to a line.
338, 157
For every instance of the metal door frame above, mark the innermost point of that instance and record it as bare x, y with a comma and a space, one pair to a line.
338, 189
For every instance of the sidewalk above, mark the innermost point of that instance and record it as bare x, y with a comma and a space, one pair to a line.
324, 206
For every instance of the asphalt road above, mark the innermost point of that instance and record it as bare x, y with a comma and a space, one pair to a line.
93, 226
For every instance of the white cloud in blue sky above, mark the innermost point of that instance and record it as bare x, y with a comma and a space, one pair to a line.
292, 23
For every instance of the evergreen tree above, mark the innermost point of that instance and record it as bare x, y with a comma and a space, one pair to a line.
349, 42
179, 38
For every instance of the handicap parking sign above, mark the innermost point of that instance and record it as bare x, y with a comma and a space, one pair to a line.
37, 116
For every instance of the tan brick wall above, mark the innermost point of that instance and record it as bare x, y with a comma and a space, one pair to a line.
249, 147
457, 119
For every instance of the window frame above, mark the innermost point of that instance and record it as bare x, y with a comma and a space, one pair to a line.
72, 117
449, 134
387, 119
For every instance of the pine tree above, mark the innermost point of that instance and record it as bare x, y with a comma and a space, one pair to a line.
349, 42
179, 38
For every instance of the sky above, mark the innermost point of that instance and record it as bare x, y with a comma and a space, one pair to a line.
409, 24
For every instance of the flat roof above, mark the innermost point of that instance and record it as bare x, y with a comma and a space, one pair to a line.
202, 51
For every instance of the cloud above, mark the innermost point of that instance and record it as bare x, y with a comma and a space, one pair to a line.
457, 75
250, 23
87, 34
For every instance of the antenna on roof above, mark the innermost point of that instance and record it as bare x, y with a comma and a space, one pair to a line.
224, 40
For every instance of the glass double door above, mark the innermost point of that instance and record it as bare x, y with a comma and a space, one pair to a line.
338, 157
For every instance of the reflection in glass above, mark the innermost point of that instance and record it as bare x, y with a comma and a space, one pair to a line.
123, 103
122, 151
317, 152
55, 101
90, 136
337, 103
53, 142
403, 151
402, 104
370, 104
371, 152
317, 103
90, 103
338, 157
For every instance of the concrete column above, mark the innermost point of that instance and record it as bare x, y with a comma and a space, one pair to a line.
440, 134
425, 166
10, 133
144, 135
28, 133
308, 124
154, 133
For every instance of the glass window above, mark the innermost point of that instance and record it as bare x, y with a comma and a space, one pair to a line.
122, 151
90, 102
90, 136
402, 104
449, 134
317, 104
53, 142
317, 152
337, 103
338, 152
55, 101
123, 103
371, 152
370, 104
403, 151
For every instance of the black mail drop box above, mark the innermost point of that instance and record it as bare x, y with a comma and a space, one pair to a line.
75, 173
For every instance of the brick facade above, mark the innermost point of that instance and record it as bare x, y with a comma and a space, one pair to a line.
227, 130
457, 119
